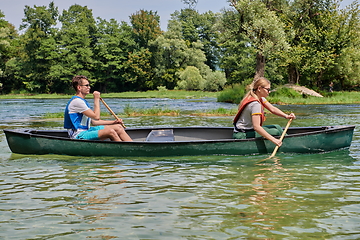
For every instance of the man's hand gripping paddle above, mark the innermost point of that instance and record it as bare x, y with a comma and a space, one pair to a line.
111, 111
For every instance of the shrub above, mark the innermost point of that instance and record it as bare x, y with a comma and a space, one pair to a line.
285, 92
215, 81
191, 79
161, 88
233, 94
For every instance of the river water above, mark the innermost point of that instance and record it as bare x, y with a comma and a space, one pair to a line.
292, 196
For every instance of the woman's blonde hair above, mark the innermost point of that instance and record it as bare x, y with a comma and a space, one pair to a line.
258, 82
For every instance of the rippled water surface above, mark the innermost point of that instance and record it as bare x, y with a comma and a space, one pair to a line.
292, 196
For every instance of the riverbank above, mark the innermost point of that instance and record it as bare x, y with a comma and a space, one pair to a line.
172, 94
331, 98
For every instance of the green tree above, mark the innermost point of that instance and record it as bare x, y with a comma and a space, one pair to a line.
146, 27
191, 3
173, 54
114, 44
191, 79
75, 43
39, 24
138, 70
348, 62
322, 36
8, 52
199, 27
238, 56
141, 63
262, 27
215, 80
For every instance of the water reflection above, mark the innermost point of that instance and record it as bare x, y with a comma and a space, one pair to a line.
232, 196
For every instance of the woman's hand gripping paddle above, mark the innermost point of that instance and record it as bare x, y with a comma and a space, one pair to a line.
111, 111
281, 138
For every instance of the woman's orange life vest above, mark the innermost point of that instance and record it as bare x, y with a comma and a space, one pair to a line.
244, 104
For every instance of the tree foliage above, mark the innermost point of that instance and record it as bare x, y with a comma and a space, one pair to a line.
260, 27
191, 79
199, 27
146, 27
8, 51
305, 42
38, 43
115, 43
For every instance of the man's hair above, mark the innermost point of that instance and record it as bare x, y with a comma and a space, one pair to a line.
77, 80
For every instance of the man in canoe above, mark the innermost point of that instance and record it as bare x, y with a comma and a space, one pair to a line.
250, 117
78, 116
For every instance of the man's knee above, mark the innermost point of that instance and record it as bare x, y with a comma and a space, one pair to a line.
112, 132
118, 128
107, 132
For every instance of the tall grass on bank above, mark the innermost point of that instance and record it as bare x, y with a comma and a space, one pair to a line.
283, 95
276, 96
333, 98
61, 115
172, 94
231, 95
130, 112
216, 112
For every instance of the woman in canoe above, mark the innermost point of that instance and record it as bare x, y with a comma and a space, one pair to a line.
78, 116
250, 117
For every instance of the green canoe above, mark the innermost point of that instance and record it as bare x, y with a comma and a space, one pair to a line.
150, 142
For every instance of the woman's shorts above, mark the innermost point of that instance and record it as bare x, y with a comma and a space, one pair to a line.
91, 134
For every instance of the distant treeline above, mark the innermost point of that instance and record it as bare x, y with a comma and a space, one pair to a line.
311, 43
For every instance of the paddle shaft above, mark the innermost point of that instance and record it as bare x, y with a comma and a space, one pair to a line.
112, 112
282, 137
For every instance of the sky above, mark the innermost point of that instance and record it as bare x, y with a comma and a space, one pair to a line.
108, 9
117, 9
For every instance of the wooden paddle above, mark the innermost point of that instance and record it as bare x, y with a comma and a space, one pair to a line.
281, 138
112, 112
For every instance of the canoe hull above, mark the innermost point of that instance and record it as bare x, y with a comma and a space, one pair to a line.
321, 139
